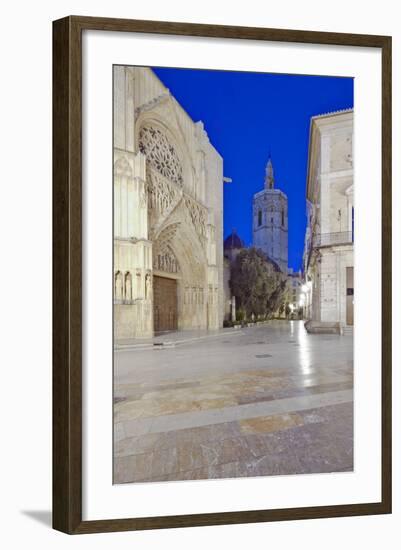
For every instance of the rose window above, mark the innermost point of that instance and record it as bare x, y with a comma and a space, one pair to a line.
160, 154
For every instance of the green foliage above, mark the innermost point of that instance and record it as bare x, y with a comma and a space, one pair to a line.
240, 315
276, 298
229, 324
255, 284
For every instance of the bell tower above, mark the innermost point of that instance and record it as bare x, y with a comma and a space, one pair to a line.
269, 177
270, 220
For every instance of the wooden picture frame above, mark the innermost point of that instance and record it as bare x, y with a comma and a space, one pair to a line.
67, 274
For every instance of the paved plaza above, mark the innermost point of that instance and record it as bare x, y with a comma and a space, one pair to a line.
264, 400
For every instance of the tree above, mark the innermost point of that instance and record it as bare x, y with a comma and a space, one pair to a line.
275, 302
255, 283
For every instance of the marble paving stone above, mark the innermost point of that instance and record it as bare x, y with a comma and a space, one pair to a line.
119, 433
261, 444
277, 464
228, 470
193, 436
270, 423
152, 408
133, 468
189, 457
189, 475
164, 462
273, 394
257, 397
143, 444
213, 409
192, 419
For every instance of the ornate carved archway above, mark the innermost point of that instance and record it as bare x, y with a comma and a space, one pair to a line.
177, 227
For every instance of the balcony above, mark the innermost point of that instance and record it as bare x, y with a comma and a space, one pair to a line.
332, 239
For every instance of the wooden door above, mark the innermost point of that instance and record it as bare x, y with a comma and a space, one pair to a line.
164, 304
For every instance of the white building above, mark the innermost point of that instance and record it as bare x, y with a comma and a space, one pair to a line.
329, 239
295, 294
168, 203
270, 221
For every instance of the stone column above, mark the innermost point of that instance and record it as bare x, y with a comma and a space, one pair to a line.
325, 186
233, 310
132, 250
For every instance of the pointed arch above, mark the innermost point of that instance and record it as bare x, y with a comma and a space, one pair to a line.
118, 286
128, 287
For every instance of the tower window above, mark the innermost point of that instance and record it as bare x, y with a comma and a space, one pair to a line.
282, 218
259, 218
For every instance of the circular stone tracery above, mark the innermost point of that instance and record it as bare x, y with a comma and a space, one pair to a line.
160, 153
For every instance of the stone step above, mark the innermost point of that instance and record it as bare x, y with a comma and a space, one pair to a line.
348, 330
322, 327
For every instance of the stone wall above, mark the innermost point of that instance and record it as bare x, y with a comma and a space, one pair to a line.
330, 200
270, 225
168, 208
333, 285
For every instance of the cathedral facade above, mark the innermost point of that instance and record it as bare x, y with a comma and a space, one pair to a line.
168, 213
270, 221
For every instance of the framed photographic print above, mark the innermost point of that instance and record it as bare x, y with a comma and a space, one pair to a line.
222, 275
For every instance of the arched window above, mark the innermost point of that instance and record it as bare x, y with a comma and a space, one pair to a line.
259, 218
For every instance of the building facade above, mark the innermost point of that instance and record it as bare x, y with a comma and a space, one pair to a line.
295, 286
168, 213
270, 221
329, 239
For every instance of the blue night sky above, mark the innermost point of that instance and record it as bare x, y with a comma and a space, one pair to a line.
246, 115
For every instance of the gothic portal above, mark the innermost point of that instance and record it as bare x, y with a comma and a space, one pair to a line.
270, 221
168, 225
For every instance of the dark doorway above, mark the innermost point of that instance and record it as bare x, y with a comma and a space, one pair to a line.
350, 295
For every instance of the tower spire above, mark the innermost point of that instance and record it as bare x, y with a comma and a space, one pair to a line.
269, 177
